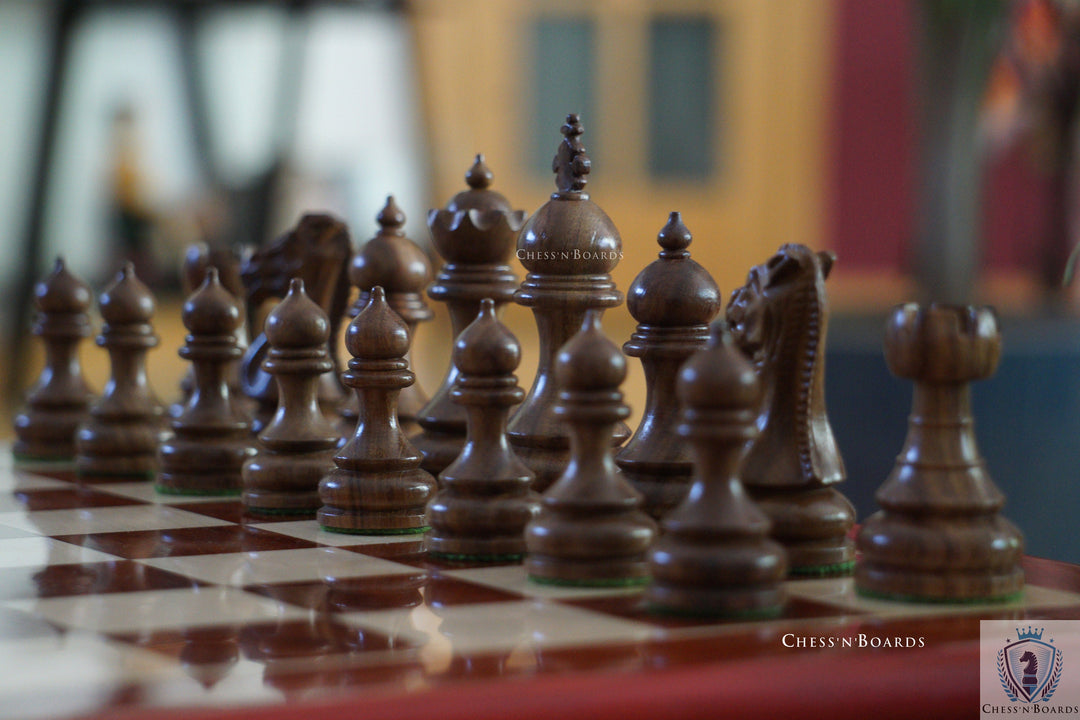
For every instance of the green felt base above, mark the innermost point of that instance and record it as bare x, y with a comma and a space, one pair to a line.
758, 614
230, 492
144, 475
459, 557
834, 570
49, 459
376, 531
1011, 597
277, 512
600, 582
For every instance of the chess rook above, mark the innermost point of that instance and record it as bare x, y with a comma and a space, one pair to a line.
60, 400
296, 449
377, 485
127, 422
590, 530
400, 267
780, 320
714, 556
484, 501
475, 235
939, 535
212, 436
569, 247
673, 300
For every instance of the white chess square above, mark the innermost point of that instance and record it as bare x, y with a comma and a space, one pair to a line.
122, 518
146, 492
514, 579
36, 550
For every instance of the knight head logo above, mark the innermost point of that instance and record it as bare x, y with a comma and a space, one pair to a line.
1029, 667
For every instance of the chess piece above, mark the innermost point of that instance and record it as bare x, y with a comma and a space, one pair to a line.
714, 556
377, 486
398, 265
126, 423
317, 251
212, 436
296, 449
475, 235
673, 299
484, 499
590, 530
780, 320
60, 400
569, 247
939, 536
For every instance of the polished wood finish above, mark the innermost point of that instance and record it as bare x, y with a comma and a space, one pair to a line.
484, 501
591, 529
402, 269
60, 400
377, 485
939, 535
673, 300
127, 422
569, 247
296, 449
715, 556
317, 251
475, 235
212, 436
780, 319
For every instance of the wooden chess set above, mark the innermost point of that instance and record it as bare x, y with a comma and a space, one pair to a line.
311, 537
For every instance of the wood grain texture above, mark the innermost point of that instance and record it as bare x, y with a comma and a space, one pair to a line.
673, 300
377, 485
212, 436
127, 422
474, 235
780, 320
60, 399
569, 247
939, 535
296, 449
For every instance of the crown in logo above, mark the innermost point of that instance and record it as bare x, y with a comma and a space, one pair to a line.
1029, 634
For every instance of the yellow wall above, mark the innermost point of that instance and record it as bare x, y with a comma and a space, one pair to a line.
474, 57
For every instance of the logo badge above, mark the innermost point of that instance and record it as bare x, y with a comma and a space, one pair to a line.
1029, 668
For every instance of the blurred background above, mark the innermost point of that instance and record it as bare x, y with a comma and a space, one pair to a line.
930, 143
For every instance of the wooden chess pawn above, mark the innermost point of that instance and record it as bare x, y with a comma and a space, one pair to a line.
780, 320
673, 299
475, 235
127, 423
296, 449
60, 401
590, 530
569, 247
939, 536
212, 436
397, 264
484, 502
377, 486
714, 556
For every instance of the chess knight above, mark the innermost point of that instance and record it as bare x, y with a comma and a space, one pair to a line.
779, 319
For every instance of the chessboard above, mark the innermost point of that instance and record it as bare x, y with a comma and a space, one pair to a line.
122, 602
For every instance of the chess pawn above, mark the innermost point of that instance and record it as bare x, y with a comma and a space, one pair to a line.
590, 530
296, 449
569, 247
398, 265
475, 235
212, 436
780, 320
673, 300
377, 486
939, 535
126, 423
714, 556
60, 401
484, 502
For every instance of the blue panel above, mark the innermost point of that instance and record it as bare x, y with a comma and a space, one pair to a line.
563, 71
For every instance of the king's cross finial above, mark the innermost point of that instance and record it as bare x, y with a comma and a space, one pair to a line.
571, 164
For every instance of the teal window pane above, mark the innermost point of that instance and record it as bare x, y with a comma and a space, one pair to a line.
563, 71
682, 103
